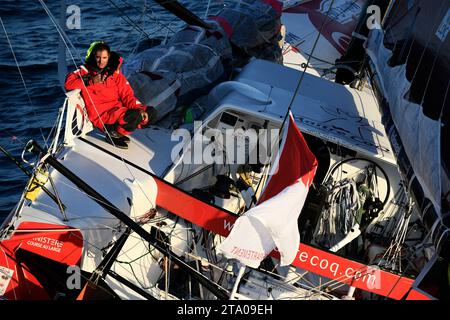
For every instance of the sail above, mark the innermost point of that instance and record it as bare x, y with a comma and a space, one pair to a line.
273, 222
334, 20
412, 69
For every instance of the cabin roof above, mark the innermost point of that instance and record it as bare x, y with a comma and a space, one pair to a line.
322, 108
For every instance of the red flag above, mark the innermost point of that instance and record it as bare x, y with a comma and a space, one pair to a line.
273, 222
294, 162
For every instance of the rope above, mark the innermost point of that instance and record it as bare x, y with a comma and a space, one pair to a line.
304, 70
129, 21
313, 32
23, 80
309, 59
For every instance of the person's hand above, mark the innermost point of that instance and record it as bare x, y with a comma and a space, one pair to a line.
98, 78
144, 116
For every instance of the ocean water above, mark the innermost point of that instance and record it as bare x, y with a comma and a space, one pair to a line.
31, 113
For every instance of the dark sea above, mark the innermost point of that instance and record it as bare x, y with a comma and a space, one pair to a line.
29, 107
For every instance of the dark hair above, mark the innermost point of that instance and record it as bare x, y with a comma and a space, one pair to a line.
98, 47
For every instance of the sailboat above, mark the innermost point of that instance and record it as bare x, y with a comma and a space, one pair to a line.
155, 221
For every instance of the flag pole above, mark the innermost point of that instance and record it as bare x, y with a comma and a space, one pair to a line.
242, 268
297, 88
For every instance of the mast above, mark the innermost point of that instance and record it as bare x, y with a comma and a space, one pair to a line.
355, 53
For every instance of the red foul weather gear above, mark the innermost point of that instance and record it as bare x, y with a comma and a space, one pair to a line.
106, 102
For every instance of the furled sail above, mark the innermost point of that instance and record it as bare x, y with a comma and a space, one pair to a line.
411, 70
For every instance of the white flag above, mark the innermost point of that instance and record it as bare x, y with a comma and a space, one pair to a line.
273, 222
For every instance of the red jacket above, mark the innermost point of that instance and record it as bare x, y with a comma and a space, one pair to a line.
106, 102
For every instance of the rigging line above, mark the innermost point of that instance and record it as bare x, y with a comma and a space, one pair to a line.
129, 21
428, 42
309, 57
135, 260
431, 72
402, 275
330, 21
23, 80
131, 271
400, 18
85, 194
155, 19
413, 39
30, 175
88, 242
128, 34
207, 9
78, 216
61, 33
195, 257
391, 290
55, 126
167, 27
284, 282
102, 269
14, 138
387, 13
61, 206
141, 20
314, 57
407, 35
100, 225
343, 280
299, 276
104, 226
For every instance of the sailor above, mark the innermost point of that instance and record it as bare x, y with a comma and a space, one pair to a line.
110, 102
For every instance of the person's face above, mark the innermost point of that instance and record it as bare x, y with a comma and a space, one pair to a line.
101, 57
